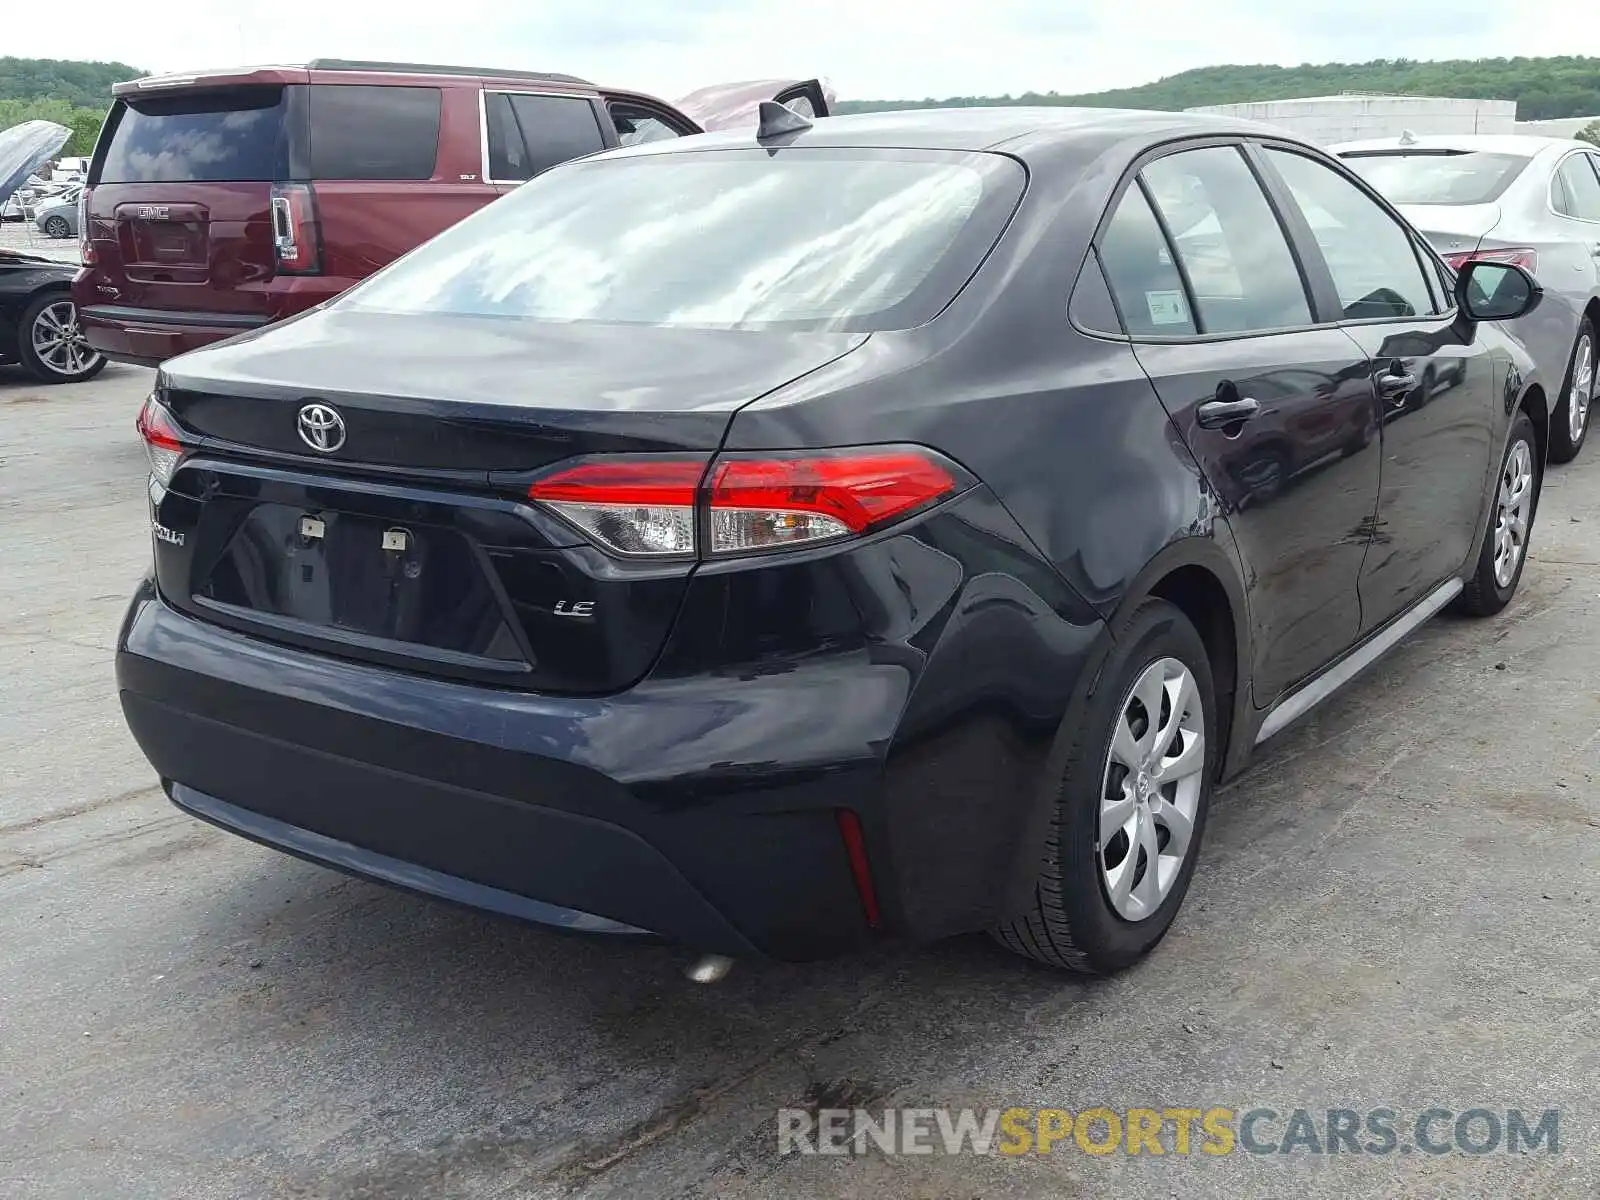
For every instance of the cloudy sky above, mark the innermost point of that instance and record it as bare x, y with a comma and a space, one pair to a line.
867, 48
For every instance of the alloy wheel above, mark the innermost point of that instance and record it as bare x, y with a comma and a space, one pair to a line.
57, 227
1581, 394
1515, 512
59, 342
1150, 789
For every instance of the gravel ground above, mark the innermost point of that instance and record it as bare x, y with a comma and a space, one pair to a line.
1396, 908
15, 235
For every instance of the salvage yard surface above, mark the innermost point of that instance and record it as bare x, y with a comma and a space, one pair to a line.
1396, 908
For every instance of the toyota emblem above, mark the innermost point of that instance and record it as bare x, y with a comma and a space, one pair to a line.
321, 428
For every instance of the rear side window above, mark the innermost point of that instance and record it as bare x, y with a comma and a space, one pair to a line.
1139, 267
1578, 190
531, 133
1446, 177
1092, 307
1241, 270
225, 136
1370, 255
365, 132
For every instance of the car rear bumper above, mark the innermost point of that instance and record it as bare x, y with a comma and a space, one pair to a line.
522, 804
715, 802
148, 337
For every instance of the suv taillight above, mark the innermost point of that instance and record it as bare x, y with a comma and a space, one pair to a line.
164, 443
295, 236
86, 251
645, 506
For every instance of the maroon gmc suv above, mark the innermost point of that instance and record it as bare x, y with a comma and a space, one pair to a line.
224, 201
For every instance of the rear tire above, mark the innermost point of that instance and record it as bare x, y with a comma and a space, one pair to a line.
1569, 424
1504, 553
50, 343
1097, 906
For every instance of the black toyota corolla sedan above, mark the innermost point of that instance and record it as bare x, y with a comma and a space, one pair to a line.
786, 540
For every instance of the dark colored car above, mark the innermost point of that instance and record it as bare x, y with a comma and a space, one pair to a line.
789, 539
38, 320
225, 201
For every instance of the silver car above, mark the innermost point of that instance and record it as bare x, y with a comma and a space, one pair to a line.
57, 217
1533, 201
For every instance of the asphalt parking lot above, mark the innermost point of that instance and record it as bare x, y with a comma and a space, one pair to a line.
1395, 908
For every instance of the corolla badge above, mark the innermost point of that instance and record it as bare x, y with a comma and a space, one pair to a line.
321, 428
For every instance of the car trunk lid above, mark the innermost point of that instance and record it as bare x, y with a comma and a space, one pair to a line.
1453, 228
410, 541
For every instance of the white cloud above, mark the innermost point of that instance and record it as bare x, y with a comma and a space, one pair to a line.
867, 48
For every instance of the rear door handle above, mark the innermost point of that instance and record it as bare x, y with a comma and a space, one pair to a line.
1214, 414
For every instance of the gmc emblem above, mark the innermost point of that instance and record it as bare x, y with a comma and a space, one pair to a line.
154, 212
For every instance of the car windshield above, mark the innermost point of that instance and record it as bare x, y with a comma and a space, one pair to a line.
1438, 176
794, 239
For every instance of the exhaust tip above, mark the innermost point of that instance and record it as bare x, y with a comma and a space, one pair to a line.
710, 968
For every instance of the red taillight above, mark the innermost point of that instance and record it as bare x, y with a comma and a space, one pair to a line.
639, 507
295, 235
86, 251
647, 506
163, 443
765, 502
1520, 256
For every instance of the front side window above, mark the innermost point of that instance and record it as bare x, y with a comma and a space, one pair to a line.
803, 239
637, 125
1239, 264
1579, 192
1370, 255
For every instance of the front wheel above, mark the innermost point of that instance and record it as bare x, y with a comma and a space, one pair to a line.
57, 227
1569, 424
51, 344
1498, 570
1131, 805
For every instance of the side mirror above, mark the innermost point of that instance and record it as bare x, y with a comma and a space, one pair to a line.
1491, 291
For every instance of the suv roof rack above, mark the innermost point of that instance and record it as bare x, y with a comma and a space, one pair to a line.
397, 68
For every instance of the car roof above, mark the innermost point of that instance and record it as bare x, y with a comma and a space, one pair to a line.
1527, 145
1020, 130
370, 72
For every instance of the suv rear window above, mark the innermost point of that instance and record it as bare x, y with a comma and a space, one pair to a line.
1437, 176
363, 132
800, 239
228, 135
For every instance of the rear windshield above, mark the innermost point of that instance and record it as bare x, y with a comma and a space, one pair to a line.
799, 239
1438, 176
228, 135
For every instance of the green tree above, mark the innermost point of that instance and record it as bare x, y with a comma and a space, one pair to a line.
1589, 133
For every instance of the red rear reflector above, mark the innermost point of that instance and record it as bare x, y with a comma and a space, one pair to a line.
855, 847
759, 503
1520, 256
